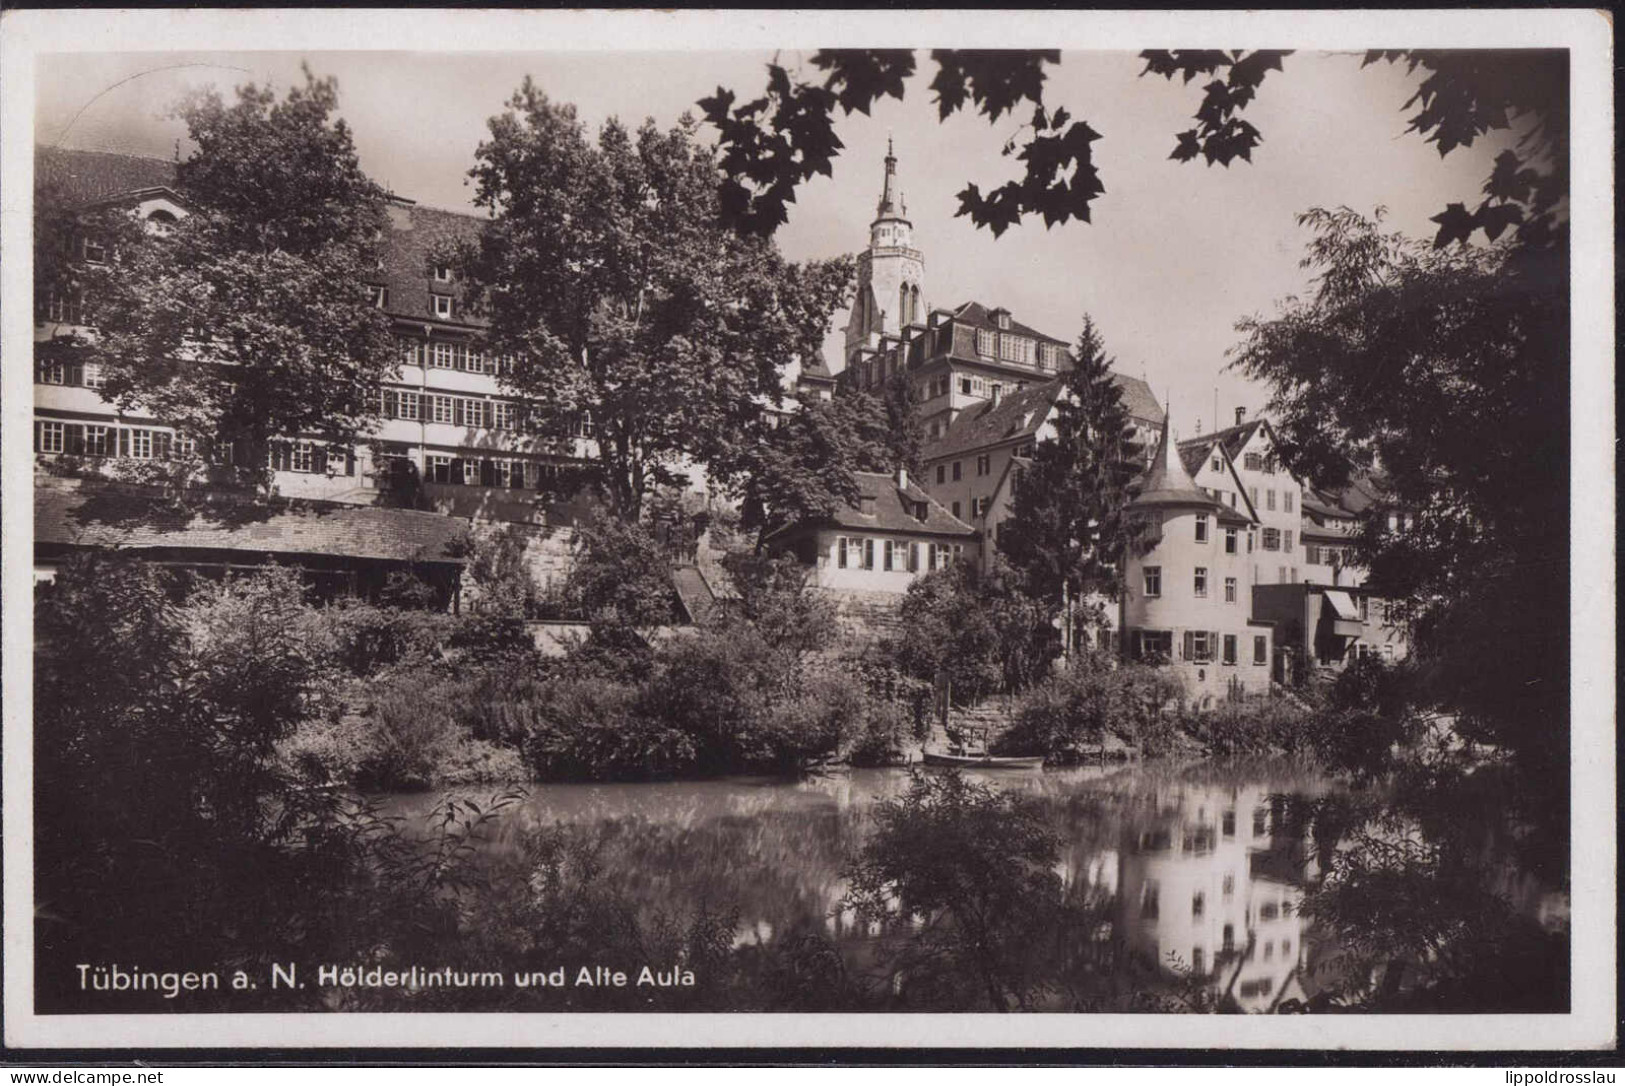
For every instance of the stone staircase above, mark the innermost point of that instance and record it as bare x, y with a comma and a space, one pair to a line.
980, 724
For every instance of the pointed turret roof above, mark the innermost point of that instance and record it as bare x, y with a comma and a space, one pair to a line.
891, 204
1166, 481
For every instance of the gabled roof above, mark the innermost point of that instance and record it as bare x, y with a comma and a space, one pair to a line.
416, 233
85, 177
1138, 399
1193, 453
1233, 438
416, 236
890, 513
1019, 415
1016, 417
980, 316
113, 516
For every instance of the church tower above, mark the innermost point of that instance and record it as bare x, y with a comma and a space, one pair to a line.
891, 274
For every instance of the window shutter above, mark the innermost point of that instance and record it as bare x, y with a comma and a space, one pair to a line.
488, 473
1189, 645
73, 439
457, 469
1213, 644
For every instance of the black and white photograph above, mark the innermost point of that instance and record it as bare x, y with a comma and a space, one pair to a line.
763, 529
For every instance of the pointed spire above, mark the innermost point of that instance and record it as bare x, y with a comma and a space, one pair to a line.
1166, 481
891, 200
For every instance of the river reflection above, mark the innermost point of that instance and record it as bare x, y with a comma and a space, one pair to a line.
1201, 868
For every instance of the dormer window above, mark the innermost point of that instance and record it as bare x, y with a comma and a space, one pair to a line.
866, 505
1001, 317
380, 296
440, 305
442, 273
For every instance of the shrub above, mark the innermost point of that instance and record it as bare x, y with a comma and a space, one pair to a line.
1080, 706
1254, 726
594, 727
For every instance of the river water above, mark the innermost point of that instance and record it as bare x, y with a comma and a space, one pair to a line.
1201, 867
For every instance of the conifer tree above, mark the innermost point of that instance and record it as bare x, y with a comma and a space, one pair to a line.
1068, 531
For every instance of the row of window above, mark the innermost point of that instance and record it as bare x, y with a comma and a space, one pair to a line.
1020, 350
490, 471
1198, 646
311, 458
1153, 583
136, 442
894, 555
449, 354
85, 374
1259, 462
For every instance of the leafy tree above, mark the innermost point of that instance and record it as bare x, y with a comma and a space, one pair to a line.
905, 433
620, 578
802, 468
1445, 372
1068, 531
979, 629
250, 319
775, 598
607, 273
772, 144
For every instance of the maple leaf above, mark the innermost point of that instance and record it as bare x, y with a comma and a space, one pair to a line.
1456, 223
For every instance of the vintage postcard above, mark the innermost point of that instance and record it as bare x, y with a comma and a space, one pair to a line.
772, 529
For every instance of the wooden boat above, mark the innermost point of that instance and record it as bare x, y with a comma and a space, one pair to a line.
981, 761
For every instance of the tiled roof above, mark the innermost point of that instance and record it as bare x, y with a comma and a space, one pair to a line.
1018, 415
891, 515
1015, 417
979, 315
1138, 399
1193, 455
83, 177
113, 516
1233, 437
416, 235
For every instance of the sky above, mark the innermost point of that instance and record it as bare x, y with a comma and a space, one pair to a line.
1174, 256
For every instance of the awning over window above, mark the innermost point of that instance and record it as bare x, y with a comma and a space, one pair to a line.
1342, 606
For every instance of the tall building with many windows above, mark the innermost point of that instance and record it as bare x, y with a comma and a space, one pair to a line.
444, 416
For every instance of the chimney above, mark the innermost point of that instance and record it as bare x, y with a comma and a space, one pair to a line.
902, 479
1241, 415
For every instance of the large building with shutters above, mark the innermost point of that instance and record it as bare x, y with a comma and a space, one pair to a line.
445, 418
